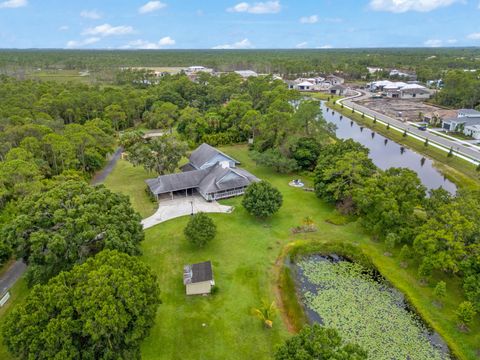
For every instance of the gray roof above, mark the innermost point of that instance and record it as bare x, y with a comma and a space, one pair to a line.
197, 273
204, 153
338, 87
470, 112
464, 120
214, 181
175, 182
209, 180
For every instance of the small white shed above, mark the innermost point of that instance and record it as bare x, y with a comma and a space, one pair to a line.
198, 278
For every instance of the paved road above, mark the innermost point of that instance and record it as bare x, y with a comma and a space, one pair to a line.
18, 268
102, 174
8, 279
470, 153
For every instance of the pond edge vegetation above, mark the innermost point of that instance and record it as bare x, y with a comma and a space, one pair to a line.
292, 308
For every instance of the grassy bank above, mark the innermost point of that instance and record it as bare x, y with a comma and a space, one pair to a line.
457, 170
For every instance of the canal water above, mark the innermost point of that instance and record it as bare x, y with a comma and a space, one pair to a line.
386, 153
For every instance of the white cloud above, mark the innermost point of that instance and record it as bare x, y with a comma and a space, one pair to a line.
474, 36
267, 7
302, 45
63, 28
325, 47
242, 44
76, 44
108, 30
11, 4
91, 14
151, 6
401, 6
143, 44
433, 43
452, 41
312, 19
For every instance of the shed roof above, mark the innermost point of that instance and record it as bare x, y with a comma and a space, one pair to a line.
197, 273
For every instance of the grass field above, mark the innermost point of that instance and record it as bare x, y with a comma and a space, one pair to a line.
244, 255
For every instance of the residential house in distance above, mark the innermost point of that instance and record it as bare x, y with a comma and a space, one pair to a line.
246, 73
198, 278
338, 90
210, 173
400, 89
334, 80
197, 69
466, 121
403, 74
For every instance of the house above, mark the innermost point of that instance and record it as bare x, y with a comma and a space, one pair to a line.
305, 86
246, 73
473, 131
210, 173
400, 90
197, 69
338, 90
460, 124
334, 80
198, 278
403, 74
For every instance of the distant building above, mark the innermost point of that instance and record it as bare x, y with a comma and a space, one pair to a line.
197, 69
246, 73
198, 278
338, 90
465, 121
210, 173
400, 89
403, 74
304, 86
473, 131
334, 80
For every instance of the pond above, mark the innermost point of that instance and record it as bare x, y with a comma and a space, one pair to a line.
386, 153
364, 309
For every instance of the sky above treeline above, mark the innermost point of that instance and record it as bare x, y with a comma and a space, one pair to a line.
230, 24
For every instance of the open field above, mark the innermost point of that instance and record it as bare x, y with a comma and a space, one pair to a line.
244, 256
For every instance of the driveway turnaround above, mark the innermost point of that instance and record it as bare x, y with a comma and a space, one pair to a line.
182, 206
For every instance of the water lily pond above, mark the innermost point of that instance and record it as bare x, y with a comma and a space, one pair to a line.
364, 309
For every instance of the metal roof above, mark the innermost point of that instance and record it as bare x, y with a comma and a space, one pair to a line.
204, 153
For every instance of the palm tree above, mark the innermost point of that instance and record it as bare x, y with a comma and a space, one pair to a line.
266, 313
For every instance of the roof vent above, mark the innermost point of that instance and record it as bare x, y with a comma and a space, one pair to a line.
225, 164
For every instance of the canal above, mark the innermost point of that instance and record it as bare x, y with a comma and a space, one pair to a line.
386, 153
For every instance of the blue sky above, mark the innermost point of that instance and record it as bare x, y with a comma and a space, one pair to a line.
187, 24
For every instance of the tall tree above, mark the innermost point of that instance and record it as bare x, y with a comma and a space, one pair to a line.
102, 309
68, 223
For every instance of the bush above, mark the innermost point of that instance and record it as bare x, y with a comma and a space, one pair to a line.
440, 290
262, 199
465, 312
200, 230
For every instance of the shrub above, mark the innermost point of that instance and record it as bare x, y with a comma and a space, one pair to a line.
262, 199
465, 313
440, 290
200, 230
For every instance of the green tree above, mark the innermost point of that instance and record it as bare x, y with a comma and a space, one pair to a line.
440, 290
262, 200
319, 343
102, 309
306, 151
465, 313
161, 154
200, 230
68, 223
275, 159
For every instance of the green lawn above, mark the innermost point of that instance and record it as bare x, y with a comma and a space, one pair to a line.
130, 180
244, 255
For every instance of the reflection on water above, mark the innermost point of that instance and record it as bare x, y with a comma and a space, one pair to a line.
386, 153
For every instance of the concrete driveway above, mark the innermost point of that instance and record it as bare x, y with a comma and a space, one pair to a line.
182, 206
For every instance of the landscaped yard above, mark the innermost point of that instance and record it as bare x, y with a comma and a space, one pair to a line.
244, 255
